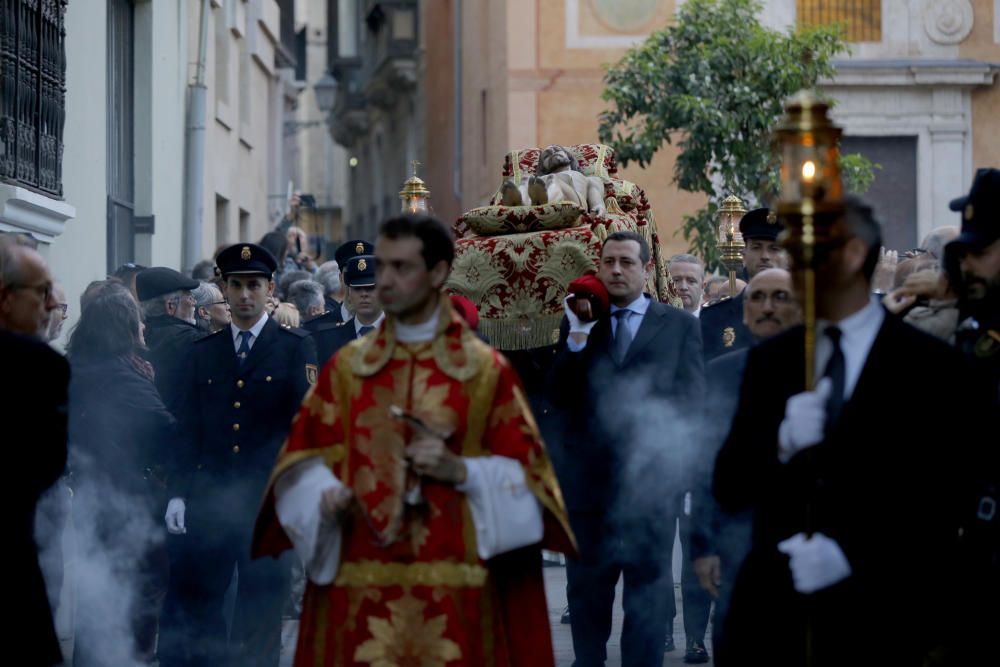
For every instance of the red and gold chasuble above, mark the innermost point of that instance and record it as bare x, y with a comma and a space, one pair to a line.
411, 590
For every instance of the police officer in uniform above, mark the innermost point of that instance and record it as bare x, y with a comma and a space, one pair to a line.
344, 253
359, 276
973, 260
722, 328
245, 383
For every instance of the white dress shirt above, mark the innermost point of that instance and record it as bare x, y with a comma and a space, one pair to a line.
858, 332
638, 309
254, 332
358, 325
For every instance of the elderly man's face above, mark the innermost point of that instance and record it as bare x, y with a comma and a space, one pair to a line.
981, 271
687, 281
59, 315
553, 158
769, 306
25, 305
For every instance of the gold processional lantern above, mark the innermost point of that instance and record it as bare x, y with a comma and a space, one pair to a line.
415, 194
730, 240
810, 204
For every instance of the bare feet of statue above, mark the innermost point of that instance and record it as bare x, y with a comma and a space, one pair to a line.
536, 191
509, 194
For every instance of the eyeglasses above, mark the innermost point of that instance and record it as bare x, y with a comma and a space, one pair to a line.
213, 303
44, 290
64, 307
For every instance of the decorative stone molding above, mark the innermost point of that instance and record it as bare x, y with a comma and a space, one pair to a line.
948, 21
23, 210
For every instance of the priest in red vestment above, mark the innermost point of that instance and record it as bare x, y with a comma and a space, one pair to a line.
416, 488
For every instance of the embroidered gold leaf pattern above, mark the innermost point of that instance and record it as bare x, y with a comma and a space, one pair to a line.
325, 410
407, 639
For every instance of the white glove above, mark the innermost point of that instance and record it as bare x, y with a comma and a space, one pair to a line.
805, 416
816, 562
175, 516
575, 325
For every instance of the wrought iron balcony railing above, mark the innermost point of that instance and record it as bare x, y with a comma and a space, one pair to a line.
32, 93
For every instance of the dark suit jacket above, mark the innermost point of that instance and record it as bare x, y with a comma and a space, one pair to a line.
625, 426
34, 398
722, 328
330, 338
237, 417
169, 341
882, 485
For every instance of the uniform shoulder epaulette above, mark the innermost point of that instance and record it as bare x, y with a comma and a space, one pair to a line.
721, 301
301, 333
211, 335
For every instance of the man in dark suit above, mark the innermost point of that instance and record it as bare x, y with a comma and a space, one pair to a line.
722, 328
359, 276
622, 385
342, 312
245, 384
33, 394
168, 309
720, 541
843, 538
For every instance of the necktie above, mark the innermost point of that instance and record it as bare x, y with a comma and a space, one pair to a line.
244, 349
623, 337
365, 328
837, 372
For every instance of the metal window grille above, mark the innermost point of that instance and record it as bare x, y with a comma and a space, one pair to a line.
32, 93
860, 19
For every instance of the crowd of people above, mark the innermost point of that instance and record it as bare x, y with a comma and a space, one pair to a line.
213, 436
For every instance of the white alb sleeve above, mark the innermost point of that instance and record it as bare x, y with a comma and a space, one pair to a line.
297, 495
506, 513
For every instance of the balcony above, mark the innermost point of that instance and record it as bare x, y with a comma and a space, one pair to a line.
32, 94
389, 69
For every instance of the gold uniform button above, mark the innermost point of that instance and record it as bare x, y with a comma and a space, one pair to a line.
236, 405
267, 379
236, 427
236, 449
240, 383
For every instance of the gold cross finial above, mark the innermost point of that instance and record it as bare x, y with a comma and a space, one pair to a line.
415, 164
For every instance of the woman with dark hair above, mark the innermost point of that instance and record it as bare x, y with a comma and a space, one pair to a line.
121, 439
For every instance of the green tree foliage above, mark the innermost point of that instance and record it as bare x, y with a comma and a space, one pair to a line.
714, 83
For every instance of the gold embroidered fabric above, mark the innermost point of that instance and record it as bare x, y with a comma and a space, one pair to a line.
422, 573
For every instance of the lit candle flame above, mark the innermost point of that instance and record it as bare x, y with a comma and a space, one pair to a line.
808, 171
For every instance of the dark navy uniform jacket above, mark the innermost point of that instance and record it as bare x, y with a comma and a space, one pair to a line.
237, 417
331, 337
722, 328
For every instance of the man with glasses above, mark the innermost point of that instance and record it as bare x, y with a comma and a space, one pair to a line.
168, 311
26, 297
35, 392
58, 315
211, 309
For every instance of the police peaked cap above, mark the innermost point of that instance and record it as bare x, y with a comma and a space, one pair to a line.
360, 271
352, 249
246, 258
159, 280
980, 210
760, 224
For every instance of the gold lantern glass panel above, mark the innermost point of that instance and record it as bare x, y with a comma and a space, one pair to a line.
809, 149
415, 194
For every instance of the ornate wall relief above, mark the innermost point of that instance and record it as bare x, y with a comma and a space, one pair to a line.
948, 21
